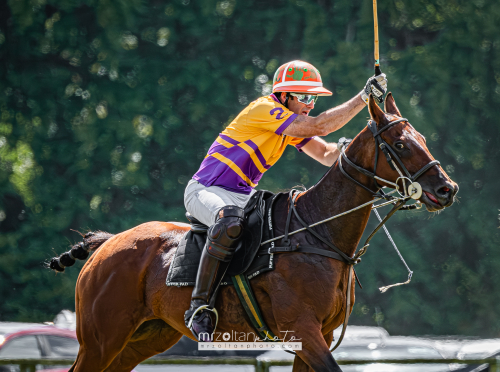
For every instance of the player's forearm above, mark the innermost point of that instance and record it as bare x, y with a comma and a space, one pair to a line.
335, 118
330, 120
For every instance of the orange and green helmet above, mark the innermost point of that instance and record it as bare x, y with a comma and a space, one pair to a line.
299, 77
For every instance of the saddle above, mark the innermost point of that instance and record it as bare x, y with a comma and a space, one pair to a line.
249, 260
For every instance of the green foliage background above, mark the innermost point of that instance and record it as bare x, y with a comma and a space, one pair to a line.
107, 109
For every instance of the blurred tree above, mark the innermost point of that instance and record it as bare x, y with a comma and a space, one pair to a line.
107, 109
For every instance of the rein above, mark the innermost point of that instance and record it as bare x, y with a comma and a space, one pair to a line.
412, 191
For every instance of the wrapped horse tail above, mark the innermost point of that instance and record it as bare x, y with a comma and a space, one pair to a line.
80, 251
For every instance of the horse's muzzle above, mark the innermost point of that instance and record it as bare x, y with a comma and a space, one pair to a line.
439, 196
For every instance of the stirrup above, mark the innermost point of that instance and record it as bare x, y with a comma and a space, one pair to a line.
203, 307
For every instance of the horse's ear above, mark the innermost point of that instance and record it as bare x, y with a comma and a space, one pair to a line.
390, 105
376, 113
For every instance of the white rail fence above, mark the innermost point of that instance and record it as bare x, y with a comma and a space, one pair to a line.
261, 365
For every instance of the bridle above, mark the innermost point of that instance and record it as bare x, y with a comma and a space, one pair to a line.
414, 190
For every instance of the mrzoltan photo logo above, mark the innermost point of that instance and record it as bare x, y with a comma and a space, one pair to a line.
248, 341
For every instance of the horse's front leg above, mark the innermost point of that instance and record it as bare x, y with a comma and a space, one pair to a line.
315, 354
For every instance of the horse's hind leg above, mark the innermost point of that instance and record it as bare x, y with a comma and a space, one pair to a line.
100, 345
108, 314
151, 338
99, 348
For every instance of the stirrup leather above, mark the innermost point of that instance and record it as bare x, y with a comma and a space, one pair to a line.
204, 307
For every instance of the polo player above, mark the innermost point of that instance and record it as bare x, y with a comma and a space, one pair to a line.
240, 155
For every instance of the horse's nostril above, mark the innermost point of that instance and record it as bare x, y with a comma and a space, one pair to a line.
443, 191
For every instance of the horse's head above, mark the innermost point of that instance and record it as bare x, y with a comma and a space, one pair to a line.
438, 190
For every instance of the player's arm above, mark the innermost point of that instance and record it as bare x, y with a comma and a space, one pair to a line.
322, 151
335, 118
327, 122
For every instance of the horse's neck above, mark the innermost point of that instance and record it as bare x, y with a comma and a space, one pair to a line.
335, 194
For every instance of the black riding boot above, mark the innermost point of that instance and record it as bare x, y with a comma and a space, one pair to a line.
221, 243
210, 273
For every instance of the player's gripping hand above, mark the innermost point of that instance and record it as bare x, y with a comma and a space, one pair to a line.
377, 86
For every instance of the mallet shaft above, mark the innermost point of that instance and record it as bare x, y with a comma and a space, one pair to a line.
375, 25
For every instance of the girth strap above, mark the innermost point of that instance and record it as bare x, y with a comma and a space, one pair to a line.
303, 249
247, 299
313, 250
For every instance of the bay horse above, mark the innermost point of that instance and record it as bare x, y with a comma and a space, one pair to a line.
126, 314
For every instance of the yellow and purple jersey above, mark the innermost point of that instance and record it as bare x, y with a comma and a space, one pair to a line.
249, 146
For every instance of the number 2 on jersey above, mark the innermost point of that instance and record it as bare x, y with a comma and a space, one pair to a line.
280, 111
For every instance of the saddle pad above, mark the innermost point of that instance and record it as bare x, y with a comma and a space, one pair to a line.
184, 266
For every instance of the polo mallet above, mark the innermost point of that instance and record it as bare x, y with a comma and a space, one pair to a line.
378, 72
375, 25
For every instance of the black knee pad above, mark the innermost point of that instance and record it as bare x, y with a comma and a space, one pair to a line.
223, 236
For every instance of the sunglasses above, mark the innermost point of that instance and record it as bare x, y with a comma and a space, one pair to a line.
305, 98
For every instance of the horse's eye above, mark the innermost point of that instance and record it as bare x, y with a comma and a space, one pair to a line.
399, 145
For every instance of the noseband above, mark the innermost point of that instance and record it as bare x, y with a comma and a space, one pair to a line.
414, 190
